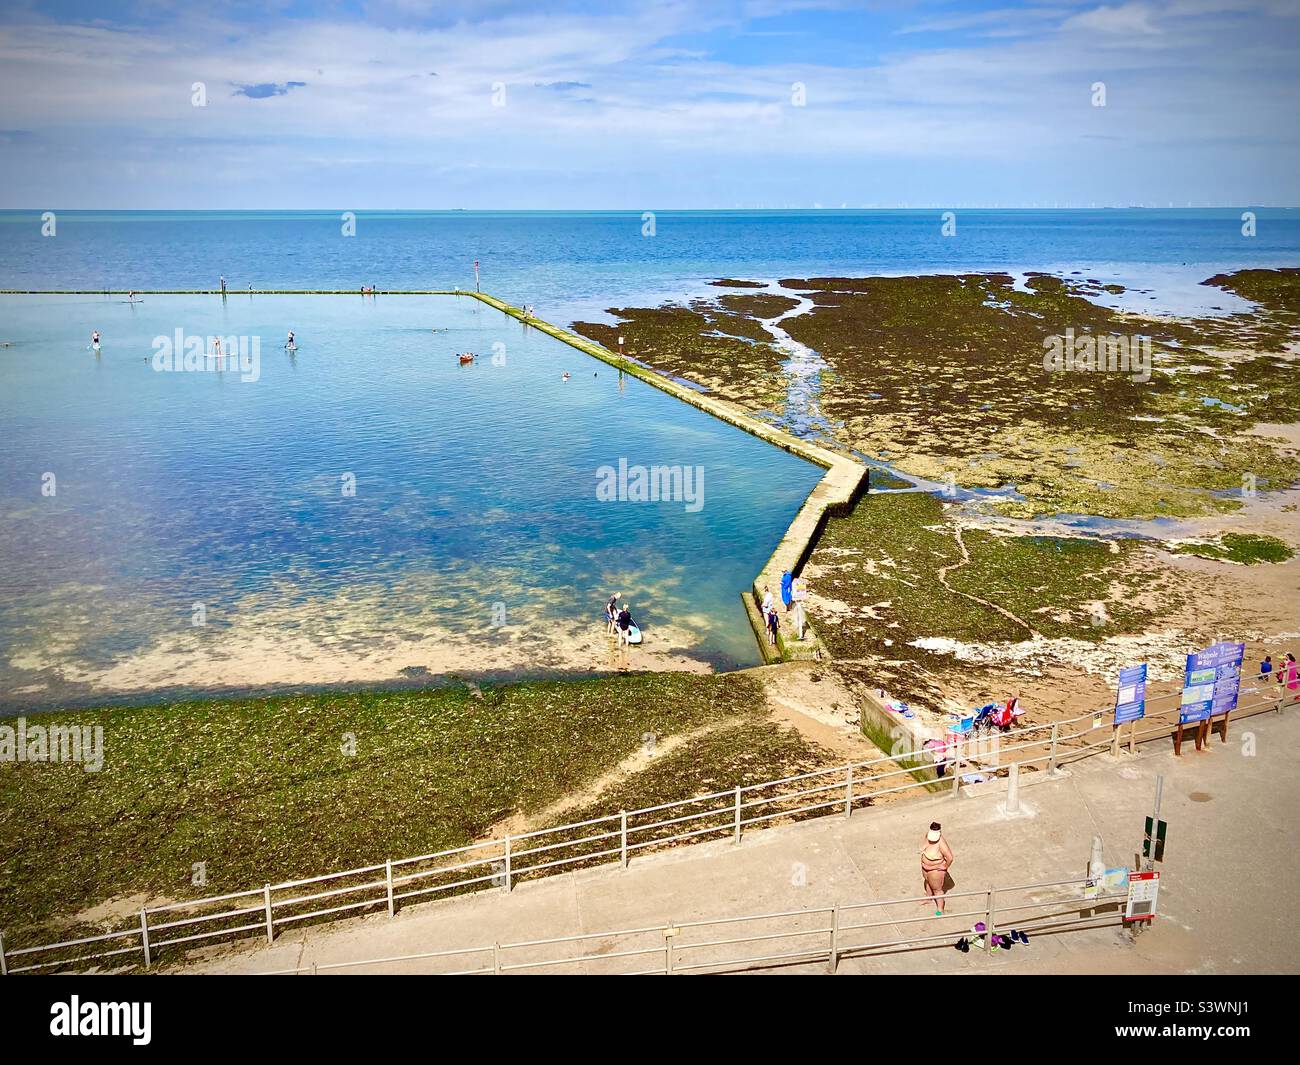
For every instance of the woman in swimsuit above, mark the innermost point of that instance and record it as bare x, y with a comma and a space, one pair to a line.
936, 858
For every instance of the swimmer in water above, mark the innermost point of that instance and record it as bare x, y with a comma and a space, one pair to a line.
564, 376
94, 340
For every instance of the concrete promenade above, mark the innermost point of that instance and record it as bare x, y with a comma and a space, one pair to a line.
1226, 904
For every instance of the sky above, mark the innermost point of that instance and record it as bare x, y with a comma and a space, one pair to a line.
498, 104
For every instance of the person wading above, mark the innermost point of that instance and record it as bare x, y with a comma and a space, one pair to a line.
936, 858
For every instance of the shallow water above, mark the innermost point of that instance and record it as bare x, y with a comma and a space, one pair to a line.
474, 540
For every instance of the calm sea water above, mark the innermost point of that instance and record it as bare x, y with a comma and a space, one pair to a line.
475, 540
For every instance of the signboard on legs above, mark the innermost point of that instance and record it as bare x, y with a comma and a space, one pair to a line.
1130, 703
1210, 686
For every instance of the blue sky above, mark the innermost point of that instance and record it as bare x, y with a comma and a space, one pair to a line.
645, 105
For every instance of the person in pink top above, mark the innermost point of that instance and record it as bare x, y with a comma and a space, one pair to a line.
1289, 676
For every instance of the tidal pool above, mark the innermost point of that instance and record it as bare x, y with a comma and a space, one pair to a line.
365, 510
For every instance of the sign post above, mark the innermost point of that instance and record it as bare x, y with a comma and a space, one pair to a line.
1130, 703
1143, 890
1153, 840
1210, 687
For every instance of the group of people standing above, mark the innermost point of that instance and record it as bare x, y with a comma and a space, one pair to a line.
771, 618
618, 620
792, 598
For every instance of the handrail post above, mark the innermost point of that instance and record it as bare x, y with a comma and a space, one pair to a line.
388, 880
508, 871
4, 966
1051, 754
956, 768
496, 959
835, 937
144, 937
988, 922
736, 818
270, 924
848, 793
622, 831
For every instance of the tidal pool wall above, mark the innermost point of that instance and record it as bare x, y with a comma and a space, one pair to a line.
834, 495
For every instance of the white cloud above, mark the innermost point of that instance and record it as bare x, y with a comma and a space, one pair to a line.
1183, 80
1126, 19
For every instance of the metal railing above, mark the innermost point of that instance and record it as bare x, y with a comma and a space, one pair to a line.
768, 940
613, 838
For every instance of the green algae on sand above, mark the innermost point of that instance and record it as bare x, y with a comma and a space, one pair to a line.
1243, 548
902, 568
266, 789
944, 376
730, 354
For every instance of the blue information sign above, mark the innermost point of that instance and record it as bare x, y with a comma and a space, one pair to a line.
1131, 699
1212, 681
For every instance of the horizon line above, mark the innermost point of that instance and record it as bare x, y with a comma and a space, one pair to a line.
638, 211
